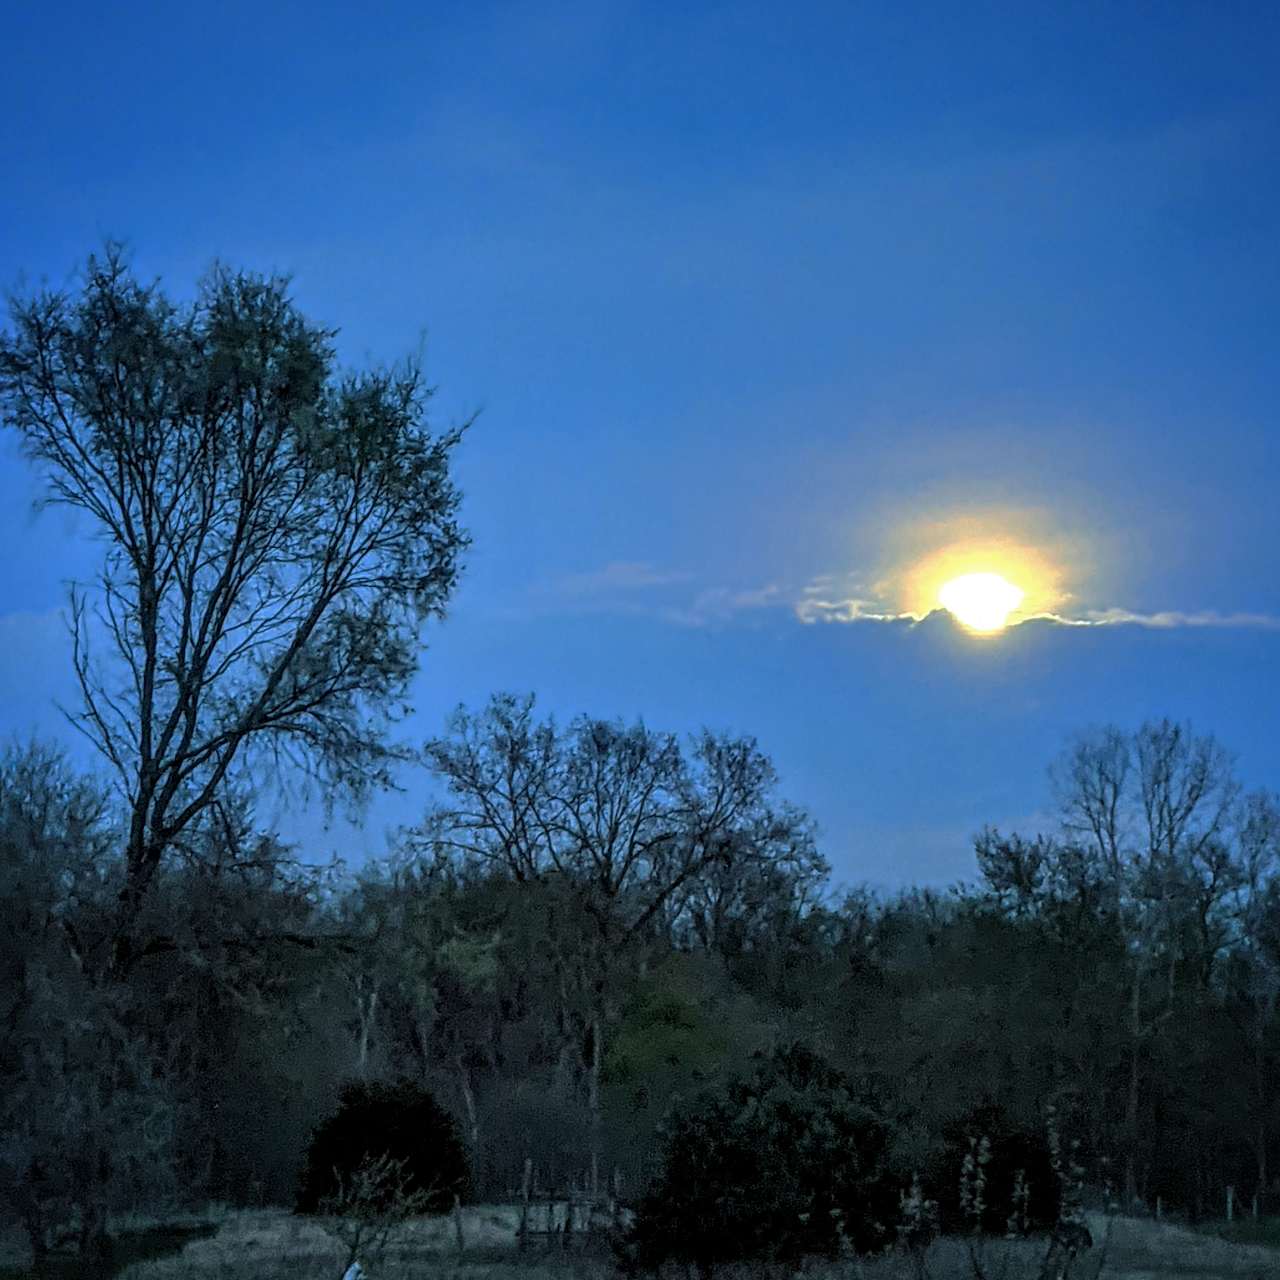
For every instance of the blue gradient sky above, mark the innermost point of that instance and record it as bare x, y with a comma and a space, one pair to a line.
757, 305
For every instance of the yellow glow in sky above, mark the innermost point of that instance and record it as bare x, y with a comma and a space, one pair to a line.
982, 601
986, 583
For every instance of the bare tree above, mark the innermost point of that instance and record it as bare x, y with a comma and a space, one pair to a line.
1258, 968
1091, 783
1154, 811
274, 536
619, 816
372, 1206
618, 811
1187, 789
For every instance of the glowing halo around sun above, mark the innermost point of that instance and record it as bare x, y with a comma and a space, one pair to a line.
981, 601
986, 584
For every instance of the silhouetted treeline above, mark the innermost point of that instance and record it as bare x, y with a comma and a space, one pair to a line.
593, 921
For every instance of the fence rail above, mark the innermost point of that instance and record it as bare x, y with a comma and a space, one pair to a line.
577, 1217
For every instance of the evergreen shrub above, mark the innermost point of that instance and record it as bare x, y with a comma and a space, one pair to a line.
401, 1121
785, 1163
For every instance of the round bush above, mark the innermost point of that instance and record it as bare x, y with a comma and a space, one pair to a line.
786, 1163
400, 1120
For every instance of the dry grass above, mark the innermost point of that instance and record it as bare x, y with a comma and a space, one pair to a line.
1136, 1249
276, 1245
1145, 1250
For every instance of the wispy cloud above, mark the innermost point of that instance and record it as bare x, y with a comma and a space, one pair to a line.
816, 607
639, 587
25, 626
617, 576
721, 604
832, 598
1172, 618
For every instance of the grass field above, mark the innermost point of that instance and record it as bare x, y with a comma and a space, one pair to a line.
274, 1245
1247, 1231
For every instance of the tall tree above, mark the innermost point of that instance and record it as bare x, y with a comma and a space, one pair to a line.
1153, 813
619, 816
275, 534
1253, 979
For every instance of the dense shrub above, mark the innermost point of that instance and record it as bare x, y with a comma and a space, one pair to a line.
402, 1121
785, 1163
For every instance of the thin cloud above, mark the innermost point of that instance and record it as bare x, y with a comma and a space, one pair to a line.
634, 588
813, 607
638, 587
845, 598
1176, 618
618, 575
32, 629
817, 609
721, 604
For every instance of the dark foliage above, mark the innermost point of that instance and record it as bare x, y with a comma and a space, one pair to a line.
786, 1163
1014, 1148
401, 1120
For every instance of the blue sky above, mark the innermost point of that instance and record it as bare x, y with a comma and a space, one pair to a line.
761, 304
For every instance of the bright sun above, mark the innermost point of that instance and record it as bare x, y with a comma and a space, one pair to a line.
981, 601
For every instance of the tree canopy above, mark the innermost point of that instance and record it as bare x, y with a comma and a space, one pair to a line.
274, 534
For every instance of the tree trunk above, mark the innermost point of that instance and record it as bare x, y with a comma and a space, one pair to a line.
420, 1042
1131, 1105
1261, 1094
473, 1121
37, 1235
367, 1007
141, 859
593, 1099
95, 1243
459, 1238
